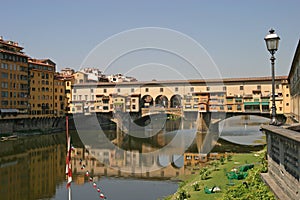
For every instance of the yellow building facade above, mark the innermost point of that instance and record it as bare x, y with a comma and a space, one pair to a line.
41, 87
14, 80
60, 100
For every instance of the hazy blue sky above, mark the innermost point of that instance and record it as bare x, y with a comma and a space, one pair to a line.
231, 32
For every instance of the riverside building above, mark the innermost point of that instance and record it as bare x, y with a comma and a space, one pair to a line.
14, 80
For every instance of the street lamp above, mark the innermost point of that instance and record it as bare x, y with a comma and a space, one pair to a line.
272, 41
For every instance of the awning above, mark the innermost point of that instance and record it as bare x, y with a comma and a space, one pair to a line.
264, 103
9, 110
251, 103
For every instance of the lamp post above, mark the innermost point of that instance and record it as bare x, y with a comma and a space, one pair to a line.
272, 41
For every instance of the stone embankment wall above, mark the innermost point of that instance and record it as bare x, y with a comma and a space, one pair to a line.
10, 126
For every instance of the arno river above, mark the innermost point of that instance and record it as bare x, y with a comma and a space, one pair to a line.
33, 167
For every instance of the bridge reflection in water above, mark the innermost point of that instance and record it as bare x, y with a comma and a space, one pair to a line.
154, 146
151, 147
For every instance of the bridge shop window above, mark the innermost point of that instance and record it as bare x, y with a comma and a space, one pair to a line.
146, 89
192, 89
176, 89
258, 87
161, 89
239, 107
241, 87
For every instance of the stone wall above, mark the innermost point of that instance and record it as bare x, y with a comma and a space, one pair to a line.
283, 161
10, 126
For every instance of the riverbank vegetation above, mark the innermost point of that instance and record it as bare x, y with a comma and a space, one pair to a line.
213, 181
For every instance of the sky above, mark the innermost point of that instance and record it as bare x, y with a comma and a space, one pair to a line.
106, 35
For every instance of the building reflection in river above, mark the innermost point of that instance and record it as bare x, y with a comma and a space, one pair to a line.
31, 167
115, 162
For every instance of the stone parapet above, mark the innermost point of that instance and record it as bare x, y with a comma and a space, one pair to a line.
283, 161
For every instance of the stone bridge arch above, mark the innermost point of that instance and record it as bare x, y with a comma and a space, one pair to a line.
162, 100
146, 101
175, 101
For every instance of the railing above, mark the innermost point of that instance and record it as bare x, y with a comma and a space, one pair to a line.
154, 110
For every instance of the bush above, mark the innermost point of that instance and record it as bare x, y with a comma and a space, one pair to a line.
196, 186
182, 195
252, 188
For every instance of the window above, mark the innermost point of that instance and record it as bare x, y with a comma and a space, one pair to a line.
79, 97
229, 107
4, 85
224, 88
4, 75
132, 89
4, 103
258, 87
239, 107
74, 97
133, 107
207, 88
277, 86
4, 66
161, 89
104, 90
146, 89
133, 100
176, 89
4, 94
192, 89
119, 90
287, 95
92, 90
241, 87
86, 97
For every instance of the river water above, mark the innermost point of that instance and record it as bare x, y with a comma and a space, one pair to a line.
119, 188
33, 167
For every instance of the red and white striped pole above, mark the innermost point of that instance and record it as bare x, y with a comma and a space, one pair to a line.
68, 159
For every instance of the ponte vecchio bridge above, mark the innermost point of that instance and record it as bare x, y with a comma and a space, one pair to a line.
230, 96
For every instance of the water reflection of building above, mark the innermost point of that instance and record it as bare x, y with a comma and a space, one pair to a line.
117, 162
31, 168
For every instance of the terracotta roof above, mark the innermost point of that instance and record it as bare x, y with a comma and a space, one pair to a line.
11, 43
15, 53
39, 62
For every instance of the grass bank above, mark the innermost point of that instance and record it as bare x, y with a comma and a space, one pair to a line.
193, 186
